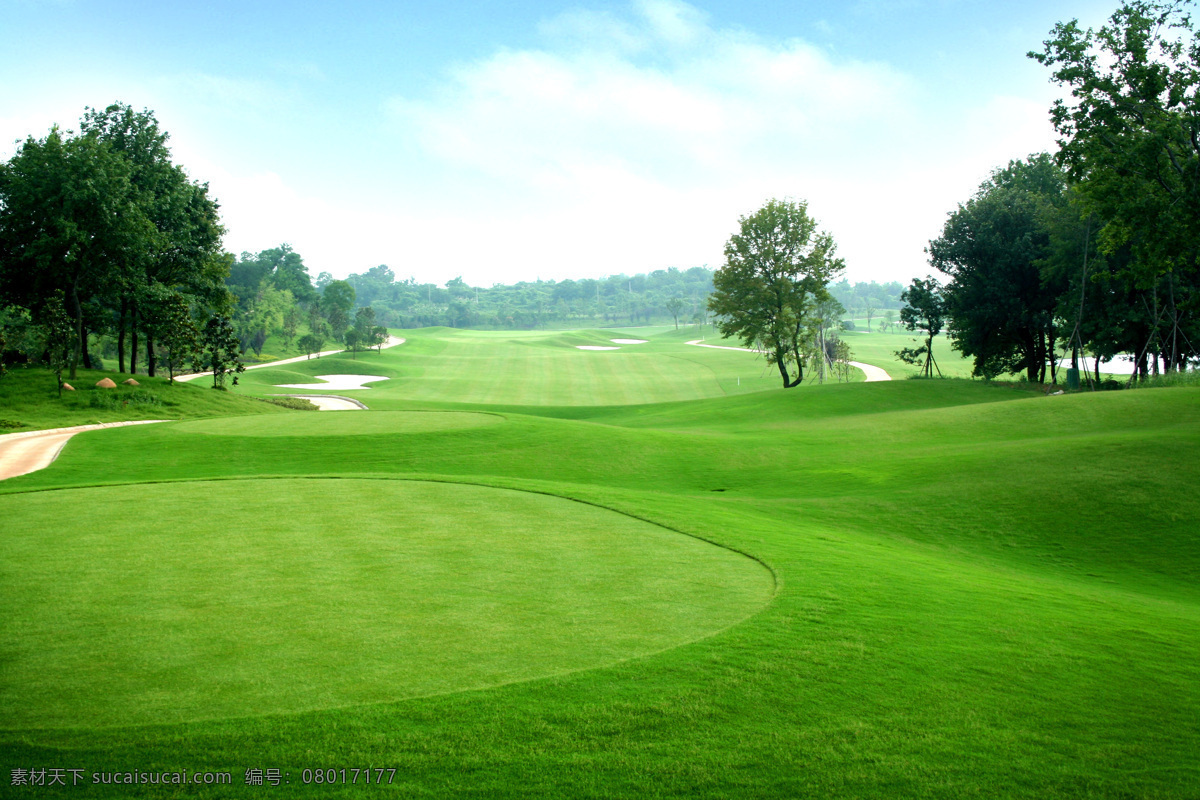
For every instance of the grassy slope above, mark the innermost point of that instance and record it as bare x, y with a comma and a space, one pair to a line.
29, 396
982, 592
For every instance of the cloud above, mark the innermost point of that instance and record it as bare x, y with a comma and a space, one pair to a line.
647, 136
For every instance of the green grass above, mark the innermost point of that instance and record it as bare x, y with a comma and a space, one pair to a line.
389, 590
30, 397
974, 590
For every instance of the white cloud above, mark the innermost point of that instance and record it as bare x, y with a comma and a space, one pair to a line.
644, 139
624, 142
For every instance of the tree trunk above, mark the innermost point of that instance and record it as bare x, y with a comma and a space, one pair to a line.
87, 358
788, 381
133, 339
149, 354
78, 312
121, 334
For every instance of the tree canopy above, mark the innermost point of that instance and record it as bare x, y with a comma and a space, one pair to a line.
777, 267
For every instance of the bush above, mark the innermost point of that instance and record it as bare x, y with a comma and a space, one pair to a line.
847, 324
114, 401
11, 423
298, 403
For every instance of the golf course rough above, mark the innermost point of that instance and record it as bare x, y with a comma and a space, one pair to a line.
272, 596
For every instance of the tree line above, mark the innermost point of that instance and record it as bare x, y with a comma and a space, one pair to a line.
1095, 249
102, 234
665, 295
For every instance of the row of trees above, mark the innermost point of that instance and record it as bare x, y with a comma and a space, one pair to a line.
101, 229
1095, 249
663, 295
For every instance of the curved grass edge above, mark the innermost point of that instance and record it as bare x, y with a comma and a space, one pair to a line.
776, 586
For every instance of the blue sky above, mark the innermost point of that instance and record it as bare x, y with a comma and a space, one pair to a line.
505, 142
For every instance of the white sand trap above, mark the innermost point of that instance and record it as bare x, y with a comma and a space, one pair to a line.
629, 341
329, 402
594, 347
336, 383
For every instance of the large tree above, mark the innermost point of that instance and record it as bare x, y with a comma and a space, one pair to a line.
999, 302
1130, 136
337, 301
181, 251
68, 211
777, 267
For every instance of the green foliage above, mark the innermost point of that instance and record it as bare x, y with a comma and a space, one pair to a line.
312, 342
297, 403
924, 309
113, 400
776, 272
337, 302
220, 352
1128, 137
1000, 304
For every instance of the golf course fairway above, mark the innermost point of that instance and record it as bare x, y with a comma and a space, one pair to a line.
531, 570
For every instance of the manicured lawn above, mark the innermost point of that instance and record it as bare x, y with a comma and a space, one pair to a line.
907, 589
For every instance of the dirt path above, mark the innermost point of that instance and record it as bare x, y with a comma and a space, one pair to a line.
21, 453
873, 373
391, 342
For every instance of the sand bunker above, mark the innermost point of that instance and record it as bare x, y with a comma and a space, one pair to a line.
594, 347
629, 341
336, 383
329, 402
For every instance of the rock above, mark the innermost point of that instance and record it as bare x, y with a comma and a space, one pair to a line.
68, 387
130, 382
106, 383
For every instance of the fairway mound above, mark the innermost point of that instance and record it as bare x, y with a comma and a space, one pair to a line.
391, 590
337, 383
629, 341
594, 347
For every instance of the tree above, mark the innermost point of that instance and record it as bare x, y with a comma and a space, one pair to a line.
312, 343
337, 302
1130, 137
57, 335
178, 334
179, 251
1000, 303
379, 337
776, 270
674, 306
220, 350
924, 310
67, 212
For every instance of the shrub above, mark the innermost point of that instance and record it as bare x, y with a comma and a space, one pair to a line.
298, 403
116, 401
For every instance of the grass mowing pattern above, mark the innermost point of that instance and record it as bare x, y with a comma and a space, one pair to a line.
983, 592
377, 591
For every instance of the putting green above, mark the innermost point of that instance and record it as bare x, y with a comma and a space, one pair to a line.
239, 598
391, 422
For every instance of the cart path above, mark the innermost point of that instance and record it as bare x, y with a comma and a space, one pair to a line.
873, 373
22, 453
391, 342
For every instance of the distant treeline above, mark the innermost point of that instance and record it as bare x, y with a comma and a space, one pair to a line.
273, 286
